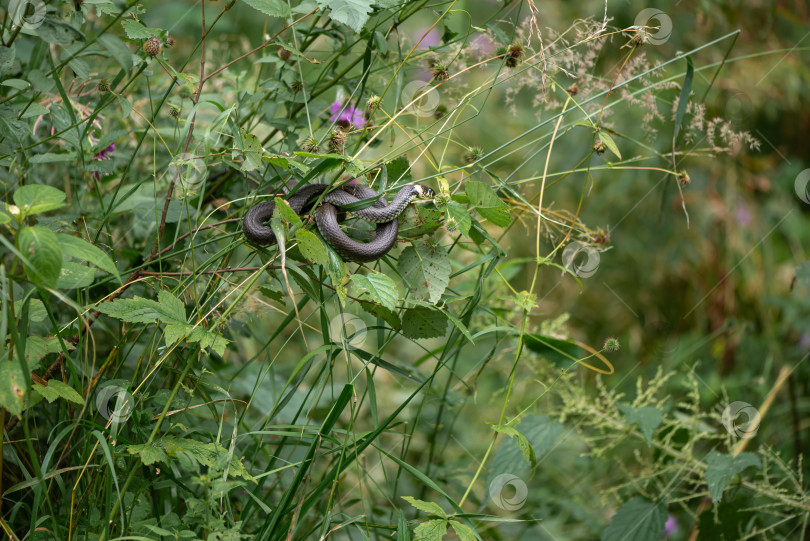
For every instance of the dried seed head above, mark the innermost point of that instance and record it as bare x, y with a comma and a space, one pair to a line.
600, 236
169, 41
473, 154
310, 145
599, 147
439, 71
174, 111
297, 86
373, 103
337, 141
639, 38
103, 85
285, 54
152, 47
573, 89
611, 345
683, 178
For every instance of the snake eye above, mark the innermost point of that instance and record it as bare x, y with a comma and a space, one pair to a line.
426, 192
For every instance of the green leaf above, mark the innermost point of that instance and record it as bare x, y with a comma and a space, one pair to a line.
311, 247
432, 530
43, 257
380, 311
8, 55
398, 170
251, 148
190, 453
683, 99
84, 251
139, 310
379, 287
36, 198
352, 13
542, 433
149, 453
458, 217
608, 140
521, 440
425, 269
12, 387
36, 310
647, 418
431, 508
464, 532
560, 352
136, 30
118, 50
638, 519
721, 468
56, 389
74, 276
36, 348
423, 323
35, 109
287, 213
273, 8
487, 203
418, 220
19, 84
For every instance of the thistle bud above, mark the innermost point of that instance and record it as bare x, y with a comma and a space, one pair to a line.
152, 47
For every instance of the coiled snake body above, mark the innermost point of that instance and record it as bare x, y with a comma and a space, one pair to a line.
382, 213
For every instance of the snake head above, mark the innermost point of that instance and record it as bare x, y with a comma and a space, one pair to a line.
424, 192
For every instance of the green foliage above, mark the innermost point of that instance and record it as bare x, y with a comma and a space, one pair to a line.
153, 360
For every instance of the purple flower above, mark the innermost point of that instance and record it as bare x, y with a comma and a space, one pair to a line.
345, 115
102, 155
743, 214
671, 527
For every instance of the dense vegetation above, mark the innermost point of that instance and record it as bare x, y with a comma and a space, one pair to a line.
598, 327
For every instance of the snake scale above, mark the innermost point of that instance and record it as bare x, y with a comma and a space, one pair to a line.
382, 213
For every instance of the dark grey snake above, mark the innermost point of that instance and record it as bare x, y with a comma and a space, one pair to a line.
382, 213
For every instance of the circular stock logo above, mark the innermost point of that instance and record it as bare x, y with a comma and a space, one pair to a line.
424, 96
656, 25
115, 403
508, 492
574, 262
802, 186
190, 171
349, 329
742, 428
27, 13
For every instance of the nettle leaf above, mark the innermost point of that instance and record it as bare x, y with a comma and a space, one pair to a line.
522, 442
352, 13
423, 323
12, 387
56, 389
273, 8
37, 347
487, 203
379, 288
638, 519
458, 217
380, 311
425, 269
150, 453
721, 468
608, 140
167, 309
287, 213
432, 530
311, 247
74, 276
417, 220
36, 198
431, 508
190, 454
647, 418
251, 148
135, 30
43, 257
464, 532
